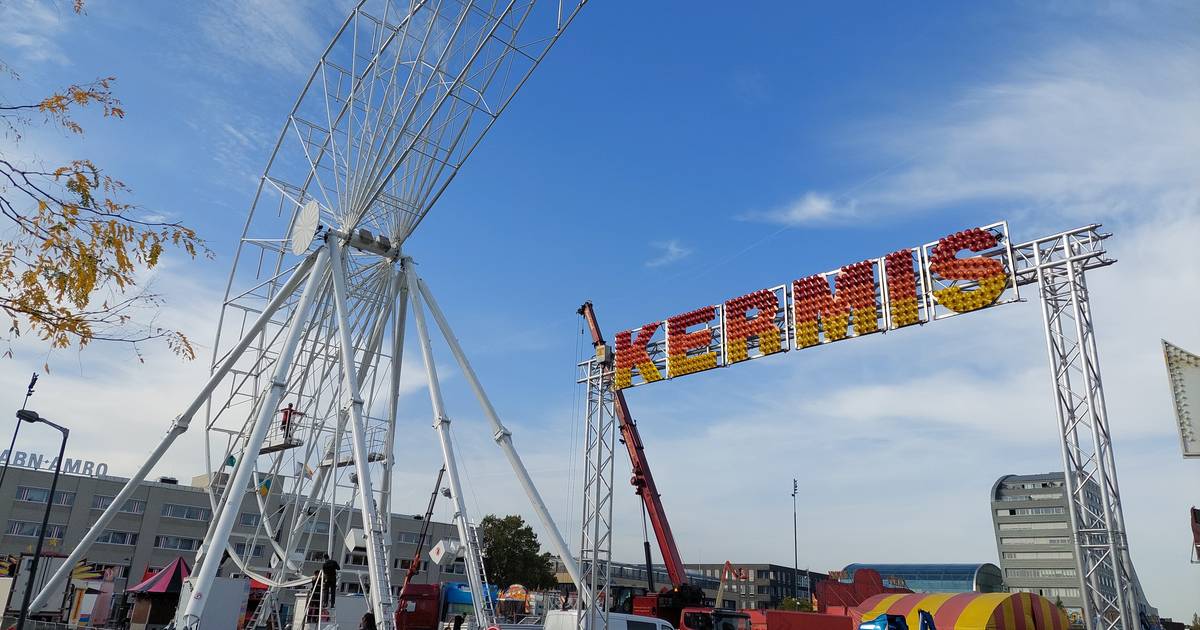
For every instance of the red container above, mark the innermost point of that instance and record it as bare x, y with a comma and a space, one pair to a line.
792, 620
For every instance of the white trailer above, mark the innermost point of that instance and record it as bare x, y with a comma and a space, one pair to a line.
47, 566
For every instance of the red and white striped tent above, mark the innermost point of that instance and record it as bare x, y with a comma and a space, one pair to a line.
968, 611
168, 580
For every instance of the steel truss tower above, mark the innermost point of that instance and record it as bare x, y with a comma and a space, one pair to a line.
1057, 264
595, 548
1113, 598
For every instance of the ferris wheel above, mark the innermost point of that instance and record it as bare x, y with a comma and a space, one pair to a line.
300, 409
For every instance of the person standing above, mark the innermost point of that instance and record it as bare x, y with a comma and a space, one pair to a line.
329, 571
458, 622
368, 622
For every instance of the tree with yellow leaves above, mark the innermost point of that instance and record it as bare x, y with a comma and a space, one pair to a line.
70, 262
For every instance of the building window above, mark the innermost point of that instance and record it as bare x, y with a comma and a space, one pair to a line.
1036, 540
186, 512
1031, 511
132, 506
255, 552
1038, 555
38, 495
1052, 592
1004, 527
316, 555
764, 590
112, 537
176, 542
410, 538
26, 528
316, 527
248, 519
1039, 573
1030, 497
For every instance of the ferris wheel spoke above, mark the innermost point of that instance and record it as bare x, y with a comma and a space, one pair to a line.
314, 164
390, 95
385, 167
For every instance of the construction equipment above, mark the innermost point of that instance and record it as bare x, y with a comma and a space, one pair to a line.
727, 572
414, 565
683, 604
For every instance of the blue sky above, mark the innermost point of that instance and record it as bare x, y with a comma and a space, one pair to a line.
671, 155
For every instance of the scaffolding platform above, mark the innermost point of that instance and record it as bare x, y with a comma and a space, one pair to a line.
349, 460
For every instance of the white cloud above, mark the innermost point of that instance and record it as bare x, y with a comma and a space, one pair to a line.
276, 35
33, 29
808, 209
670, 251
1090, 127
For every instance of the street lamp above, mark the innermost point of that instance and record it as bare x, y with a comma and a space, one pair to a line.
795, 544
16, 430
28, 415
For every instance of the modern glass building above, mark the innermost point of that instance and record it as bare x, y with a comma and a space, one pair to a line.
938, 578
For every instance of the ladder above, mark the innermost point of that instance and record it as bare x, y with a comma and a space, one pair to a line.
268, 609
318, 611
379, 566
486, 604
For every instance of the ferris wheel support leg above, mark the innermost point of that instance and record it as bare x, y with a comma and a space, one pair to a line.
178, 427
381, 591
236, 486
441, 424
503, 438
400, 314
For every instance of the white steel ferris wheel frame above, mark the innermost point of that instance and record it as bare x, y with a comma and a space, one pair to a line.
398, 101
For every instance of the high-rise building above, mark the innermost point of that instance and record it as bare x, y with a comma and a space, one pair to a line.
1034, 539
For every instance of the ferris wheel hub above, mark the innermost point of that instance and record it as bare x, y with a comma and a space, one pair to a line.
364, 241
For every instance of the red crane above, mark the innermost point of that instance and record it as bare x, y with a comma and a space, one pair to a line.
684, 601
415, 564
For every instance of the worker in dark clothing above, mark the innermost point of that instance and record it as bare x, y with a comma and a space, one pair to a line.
458, 622
368, 622
329, 571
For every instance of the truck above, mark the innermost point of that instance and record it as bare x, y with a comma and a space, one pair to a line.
682, 603
54, 607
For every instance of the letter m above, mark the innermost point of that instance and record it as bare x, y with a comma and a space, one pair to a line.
853, 299
72, 466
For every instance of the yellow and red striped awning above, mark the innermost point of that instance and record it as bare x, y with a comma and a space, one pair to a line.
968, 611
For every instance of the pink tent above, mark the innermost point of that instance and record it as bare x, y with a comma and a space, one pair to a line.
169, 580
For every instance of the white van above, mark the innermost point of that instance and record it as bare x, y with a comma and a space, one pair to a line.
567, 620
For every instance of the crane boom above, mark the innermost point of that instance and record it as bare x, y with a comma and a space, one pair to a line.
415, 564
642, 479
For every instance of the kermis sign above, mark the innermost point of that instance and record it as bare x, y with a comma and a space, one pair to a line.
963, 272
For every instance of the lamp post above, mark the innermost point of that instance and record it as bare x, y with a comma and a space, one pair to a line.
28, 415
795, 544
16, 430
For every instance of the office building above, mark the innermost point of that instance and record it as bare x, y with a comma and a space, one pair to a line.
1034, 538
164, 520
761, 586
